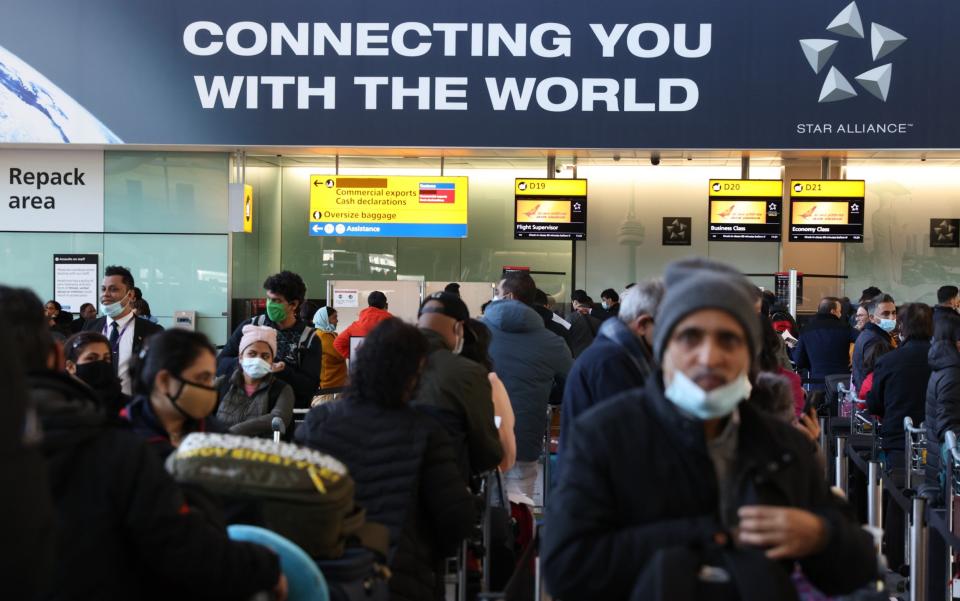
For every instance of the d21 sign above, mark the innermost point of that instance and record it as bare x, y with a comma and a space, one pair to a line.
51, 191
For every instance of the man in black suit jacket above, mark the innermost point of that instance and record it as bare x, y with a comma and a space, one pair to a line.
125, 331
88, 312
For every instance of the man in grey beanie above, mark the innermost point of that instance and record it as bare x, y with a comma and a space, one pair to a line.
663, 482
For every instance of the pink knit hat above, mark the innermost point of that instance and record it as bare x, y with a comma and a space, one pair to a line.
253, 334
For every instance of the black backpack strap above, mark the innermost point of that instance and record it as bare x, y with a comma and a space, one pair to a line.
276, 387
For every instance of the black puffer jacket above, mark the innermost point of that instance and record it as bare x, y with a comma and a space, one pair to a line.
638, 481
943, 391
124, 531
899, 390
406, 478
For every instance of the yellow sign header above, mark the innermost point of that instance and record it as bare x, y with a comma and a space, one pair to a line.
746, 188
847, 188
393, 205
550, 187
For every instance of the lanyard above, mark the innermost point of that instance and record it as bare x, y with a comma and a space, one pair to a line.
106, 326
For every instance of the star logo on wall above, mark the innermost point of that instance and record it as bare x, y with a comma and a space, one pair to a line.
945, 231
876, 80
677, 230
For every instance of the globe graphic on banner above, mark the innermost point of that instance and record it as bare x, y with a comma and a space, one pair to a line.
34, 110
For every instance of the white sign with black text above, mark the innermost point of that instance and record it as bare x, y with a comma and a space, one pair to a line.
51, 190
75, 281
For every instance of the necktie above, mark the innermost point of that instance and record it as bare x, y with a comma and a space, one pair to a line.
115, 345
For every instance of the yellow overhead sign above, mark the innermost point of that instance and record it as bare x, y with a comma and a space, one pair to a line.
248, 209
393, 205
846, 188
550, 187
746, 188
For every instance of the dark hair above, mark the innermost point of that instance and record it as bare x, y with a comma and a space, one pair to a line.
873, 354
947, 329
85, 305
377, 299
540, 298
874, 302
869, 293
916, 321
383, 368
579, 296
28, 327
773, 396
56, 305
828, 304
287, 284
483, 307
476, 343
123, 272
521, 285
947, 293
141, 306
768, 358
173, 350
452, 288
307, 310
137, 293
611, 294
73, 347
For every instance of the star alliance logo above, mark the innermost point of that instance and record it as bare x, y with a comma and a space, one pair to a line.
943, 233
836, 86
676, 231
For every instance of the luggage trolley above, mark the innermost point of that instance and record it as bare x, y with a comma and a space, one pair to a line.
952, 486
915, 449
862, 424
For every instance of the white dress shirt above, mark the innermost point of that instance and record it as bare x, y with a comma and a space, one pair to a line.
125, 326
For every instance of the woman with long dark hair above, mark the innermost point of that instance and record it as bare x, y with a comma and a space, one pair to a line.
401, 460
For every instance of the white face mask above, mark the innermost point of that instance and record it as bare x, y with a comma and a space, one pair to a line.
255, 367
605, 305
719, 402
113, 310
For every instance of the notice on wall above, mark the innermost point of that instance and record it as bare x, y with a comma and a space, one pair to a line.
51, 190
396, 206
345, 298
75, 281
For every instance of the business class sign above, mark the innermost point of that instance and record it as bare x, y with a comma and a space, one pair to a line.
698, 74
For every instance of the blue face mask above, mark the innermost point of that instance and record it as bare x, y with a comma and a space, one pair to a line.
719, 402
888, 325
255, 367
113, 310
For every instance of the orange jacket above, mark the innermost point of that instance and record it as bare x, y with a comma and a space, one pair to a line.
367, 320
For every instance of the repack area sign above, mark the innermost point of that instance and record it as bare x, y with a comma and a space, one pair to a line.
51, 190
391, 206
826, 210
500, 73
550, 209
745, 210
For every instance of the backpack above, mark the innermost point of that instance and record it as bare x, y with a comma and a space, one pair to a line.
306, 337
304, 495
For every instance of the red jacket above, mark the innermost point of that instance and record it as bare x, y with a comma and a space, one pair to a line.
367, 320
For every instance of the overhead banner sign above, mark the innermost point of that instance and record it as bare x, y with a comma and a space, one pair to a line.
745, 210
75, 281
50, 190
396, 206
550, 209
565, 74
826, 210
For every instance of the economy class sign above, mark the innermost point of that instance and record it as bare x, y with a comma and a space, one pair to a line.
394, 206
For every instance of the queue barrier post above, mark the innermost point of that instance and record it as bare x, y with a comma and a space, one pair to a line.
918, 550
908, 452
841, 465
875, 496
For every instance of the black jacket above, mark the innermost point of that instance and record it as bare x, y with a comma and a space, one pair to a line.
900, 390
142, 329
583, 329
638, 481
458, 390
943, 392
124, 530
144, 423
942, 316
550, 324
302, 370
872, 334
824, 346
406, 478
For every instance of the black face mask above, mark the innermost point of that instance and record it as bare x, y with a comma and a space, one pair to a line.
99, 376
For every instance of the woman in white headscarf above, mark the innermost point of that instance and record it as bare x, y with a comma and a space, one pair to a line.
333, 369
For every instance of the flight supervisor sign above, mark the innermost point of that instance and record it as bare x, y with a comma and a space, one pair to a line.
826, 210
745, 210
389, 206
550, 209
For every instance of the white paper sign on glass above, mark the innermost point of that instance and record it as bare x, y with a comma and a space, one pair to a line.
343, 297
51, 190
75, 281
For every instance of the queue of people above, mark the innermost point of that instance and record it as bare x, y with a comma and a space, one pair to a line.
688, 458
